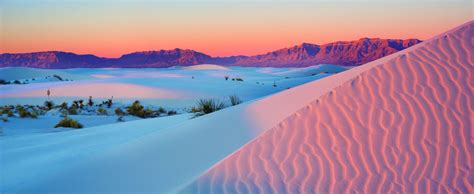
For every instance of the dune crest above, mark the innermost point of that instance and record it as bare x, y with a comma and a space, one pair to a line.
404, 124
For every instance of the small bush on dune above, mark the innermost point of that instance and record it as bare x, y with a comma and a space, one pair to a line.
172, 112
136, 109
119, 112
207, 106
161, 110
234, 100
68, 123
90, 102
102, 111
49, 104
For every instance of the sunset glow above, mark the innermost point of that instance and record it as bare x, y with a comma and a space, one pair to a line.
219, 28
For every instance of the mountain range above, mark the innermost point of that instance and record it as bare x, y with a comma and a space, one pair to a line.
346, 53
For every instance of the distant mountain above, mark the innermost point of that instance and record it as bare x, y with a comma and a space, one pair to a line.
350, 53
50, 59
339, 53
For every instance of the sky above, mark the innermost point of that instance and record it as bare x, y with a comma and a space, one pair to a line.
110, 28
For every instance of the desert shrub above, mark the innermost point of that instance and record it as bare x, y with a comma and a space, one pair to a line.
226, 78
195, 109
49, 104
81, 103
90, 102
239, 79
207, 106
63, 105
22, 112
68, 123
10, 113
109, 103
161, 110
101, 111
72, 110
3, 82
33, 114
120, 119
136, 109
274, 84
17, 82
172, 112
5, 119
119, 112
5, 109
234, 100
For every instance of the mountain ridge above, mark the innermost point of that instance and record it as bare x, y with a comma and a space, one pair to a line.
346, 53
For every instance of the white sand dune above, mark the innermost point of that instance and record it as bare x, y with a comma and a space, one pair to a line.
18, 73
205, 67
371, 128
86, 89
403, 123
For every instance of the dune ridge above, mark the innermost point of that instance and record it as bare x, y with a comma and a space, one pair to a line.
403, 125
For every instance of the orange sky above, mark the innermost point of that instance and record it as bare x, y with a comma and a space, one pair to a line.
219, 28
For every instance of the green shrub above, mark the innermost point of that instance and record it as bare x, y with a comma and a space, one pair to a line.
101, 111
10, 113
49, 104
22, 112
172, 112
68, 123
207, 106
226, 78
63, 105
161, 110
239, 79
136, 109
234, 100
119, 112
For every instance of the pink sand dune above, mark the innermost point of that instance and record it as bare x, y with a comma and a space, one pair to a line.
98, 90
404, 123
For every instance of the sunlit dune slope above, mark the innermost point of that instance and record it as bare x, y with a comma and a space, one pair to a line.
403, 124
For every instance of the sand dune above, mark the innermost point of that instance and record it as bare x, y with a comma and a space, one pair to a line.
206, 67
99, 90
399, 124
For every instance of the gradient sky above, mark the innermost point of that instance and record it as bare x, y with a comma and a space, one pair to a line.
220, 28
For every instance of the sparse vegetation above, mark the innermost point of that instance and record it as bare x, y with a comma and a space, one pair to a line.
101, 111
136, 109
226, 78
119, 112
274, 84
206, 106
234, 100
90, 102
172, 112
68, 123
49, 104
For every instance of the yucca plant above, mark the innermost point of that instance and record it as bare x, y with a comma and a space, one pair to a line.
209, 105
234, 100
